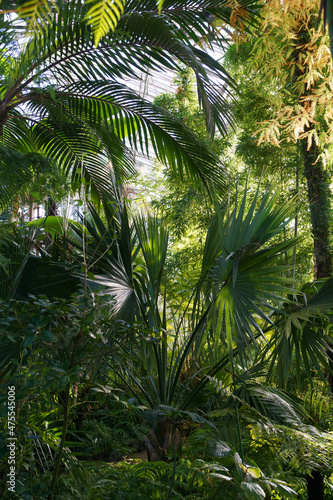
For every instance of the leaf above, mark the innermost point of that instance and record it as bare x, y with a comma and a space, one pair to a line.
64, 380
254, 472
104, 15
253, 491
47, 336
240, 275
239, 464
281, 486
58, 369
218, 449
28, 341
160, 5
37, 13
221, 476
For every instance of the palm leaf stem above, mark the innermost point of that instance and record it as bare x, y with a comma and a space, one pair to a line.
137, 382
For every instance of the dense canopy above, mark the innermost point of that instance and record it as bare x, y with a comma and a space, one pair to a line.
183, 319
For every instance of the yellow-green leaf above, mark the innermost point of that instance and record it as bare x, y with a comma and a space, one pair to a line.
104, 15
37, 13
160, 5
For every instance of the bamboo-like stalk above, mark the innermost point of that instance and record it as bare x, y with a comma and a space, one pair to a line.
295, 230
61, 443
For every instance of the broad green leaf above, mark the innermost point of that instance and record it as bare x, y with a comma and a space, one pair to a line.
28, 341
253, 491
254, 472
218, 449
220, 476
64, 380
47, 336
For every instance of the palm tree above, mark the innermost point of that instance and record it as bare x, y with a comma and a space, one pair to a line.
64, 96
236, 303
240, 286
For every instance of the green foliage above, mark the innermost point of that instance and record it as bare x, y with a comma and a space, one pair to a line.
48, 346
118, 354
185, 206
23, 272
318, 404
255, 104
36, 13
144, 479
302, 338
104, 16
109, 351
85, 124
21, 172
181, 203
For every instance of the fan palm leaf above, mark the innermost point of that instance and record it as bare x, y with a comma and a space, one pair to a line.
241, 275
300, 336
111, 250
245, 292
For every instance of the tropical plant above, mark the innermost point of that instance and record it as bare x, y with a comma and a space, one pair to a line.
296, 66
301, 335
128, 261
117, 344
65, 97
168, 373
53, 347
102, 16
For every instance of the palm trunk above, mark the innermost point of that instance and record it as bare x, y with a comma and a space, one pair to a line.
319, 199
319, 203
51, 207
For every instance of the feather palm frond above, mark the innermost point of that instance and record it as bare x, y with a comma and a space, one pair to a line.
104, 16
36, 13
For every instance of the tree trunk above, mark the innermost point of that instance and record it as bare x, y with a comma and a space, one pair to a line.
51, 206
319, 201
318, 182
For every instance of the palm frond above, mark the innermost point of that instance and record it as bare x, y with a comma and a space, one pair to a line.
144, 125
75, 119
300, 337
141, 42
111, 252
239, 271
104, 16
37, 13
